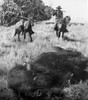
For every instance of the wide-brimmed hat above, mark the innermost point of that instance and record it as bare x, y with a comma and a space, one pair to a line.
59, 7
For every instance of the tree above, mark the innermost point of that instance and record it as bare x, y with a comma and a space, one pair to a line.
12, 9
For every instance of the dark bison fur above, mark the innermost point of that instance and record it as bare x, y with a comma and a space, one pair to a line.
20, 80
62, 64
31, 84
48, 75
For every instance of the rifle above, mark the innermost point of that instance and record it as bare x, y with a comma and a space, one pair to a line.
25, 18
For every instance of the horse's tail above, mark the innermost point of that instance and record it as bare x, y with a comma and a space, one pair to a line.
15, 32
56, 27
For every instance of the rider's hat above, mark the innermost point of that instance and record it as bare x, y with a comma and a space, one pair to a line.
59, 7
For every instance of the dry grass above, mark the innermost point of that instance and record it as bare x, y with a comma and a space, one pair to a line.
12, 52
77, 91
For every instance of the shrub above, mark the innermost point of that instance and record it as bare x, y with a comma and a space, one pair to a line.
5, 92
77, 91
12, 9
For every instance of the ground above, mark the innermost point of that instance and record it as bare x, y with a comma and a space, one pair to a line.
12, 51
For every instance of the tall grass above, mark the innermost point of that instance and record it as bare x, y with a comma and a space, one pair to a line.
12, 52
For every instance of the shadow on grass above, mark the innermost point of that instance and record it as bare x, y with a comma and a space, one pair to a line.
70, 39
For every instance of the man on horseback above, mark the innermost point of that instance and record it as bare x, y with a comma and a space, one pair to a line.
59, 16
61, 23
26, 26
64, 22
19, 29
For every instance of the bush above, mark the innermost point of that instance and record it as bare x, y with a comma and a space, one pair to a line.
77, 91
12, 9
5, 92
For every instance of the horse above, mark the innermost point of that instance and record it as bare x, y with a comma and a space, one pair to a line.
26, 26
61, 26
19, 29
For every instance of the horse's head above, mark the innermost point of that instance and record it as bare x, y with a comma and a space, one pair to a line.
31, 20
67, 19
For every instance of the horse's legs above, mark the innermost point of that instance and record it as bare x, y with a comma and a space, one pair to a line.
62, 35
19, 37
24, 35
16, 32
30, 37
59, 34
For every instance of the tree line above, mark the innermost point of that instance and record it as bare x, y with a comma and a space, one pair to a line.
13, 9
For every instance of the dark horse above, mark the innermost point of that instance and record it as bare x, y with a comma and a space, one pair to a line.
26, 26
61, 26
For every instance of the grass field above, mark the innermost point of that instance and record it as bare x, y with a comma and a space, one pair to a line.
14, 52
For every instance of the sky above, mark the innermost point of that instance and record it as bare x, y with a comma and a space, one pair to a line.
77, 9
1, 2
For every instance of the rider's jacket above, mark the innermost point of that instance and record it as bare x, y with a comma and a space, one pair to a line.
59, 15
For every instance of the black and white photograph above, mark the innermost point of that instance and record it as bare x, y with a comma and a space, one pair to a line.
43, 49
